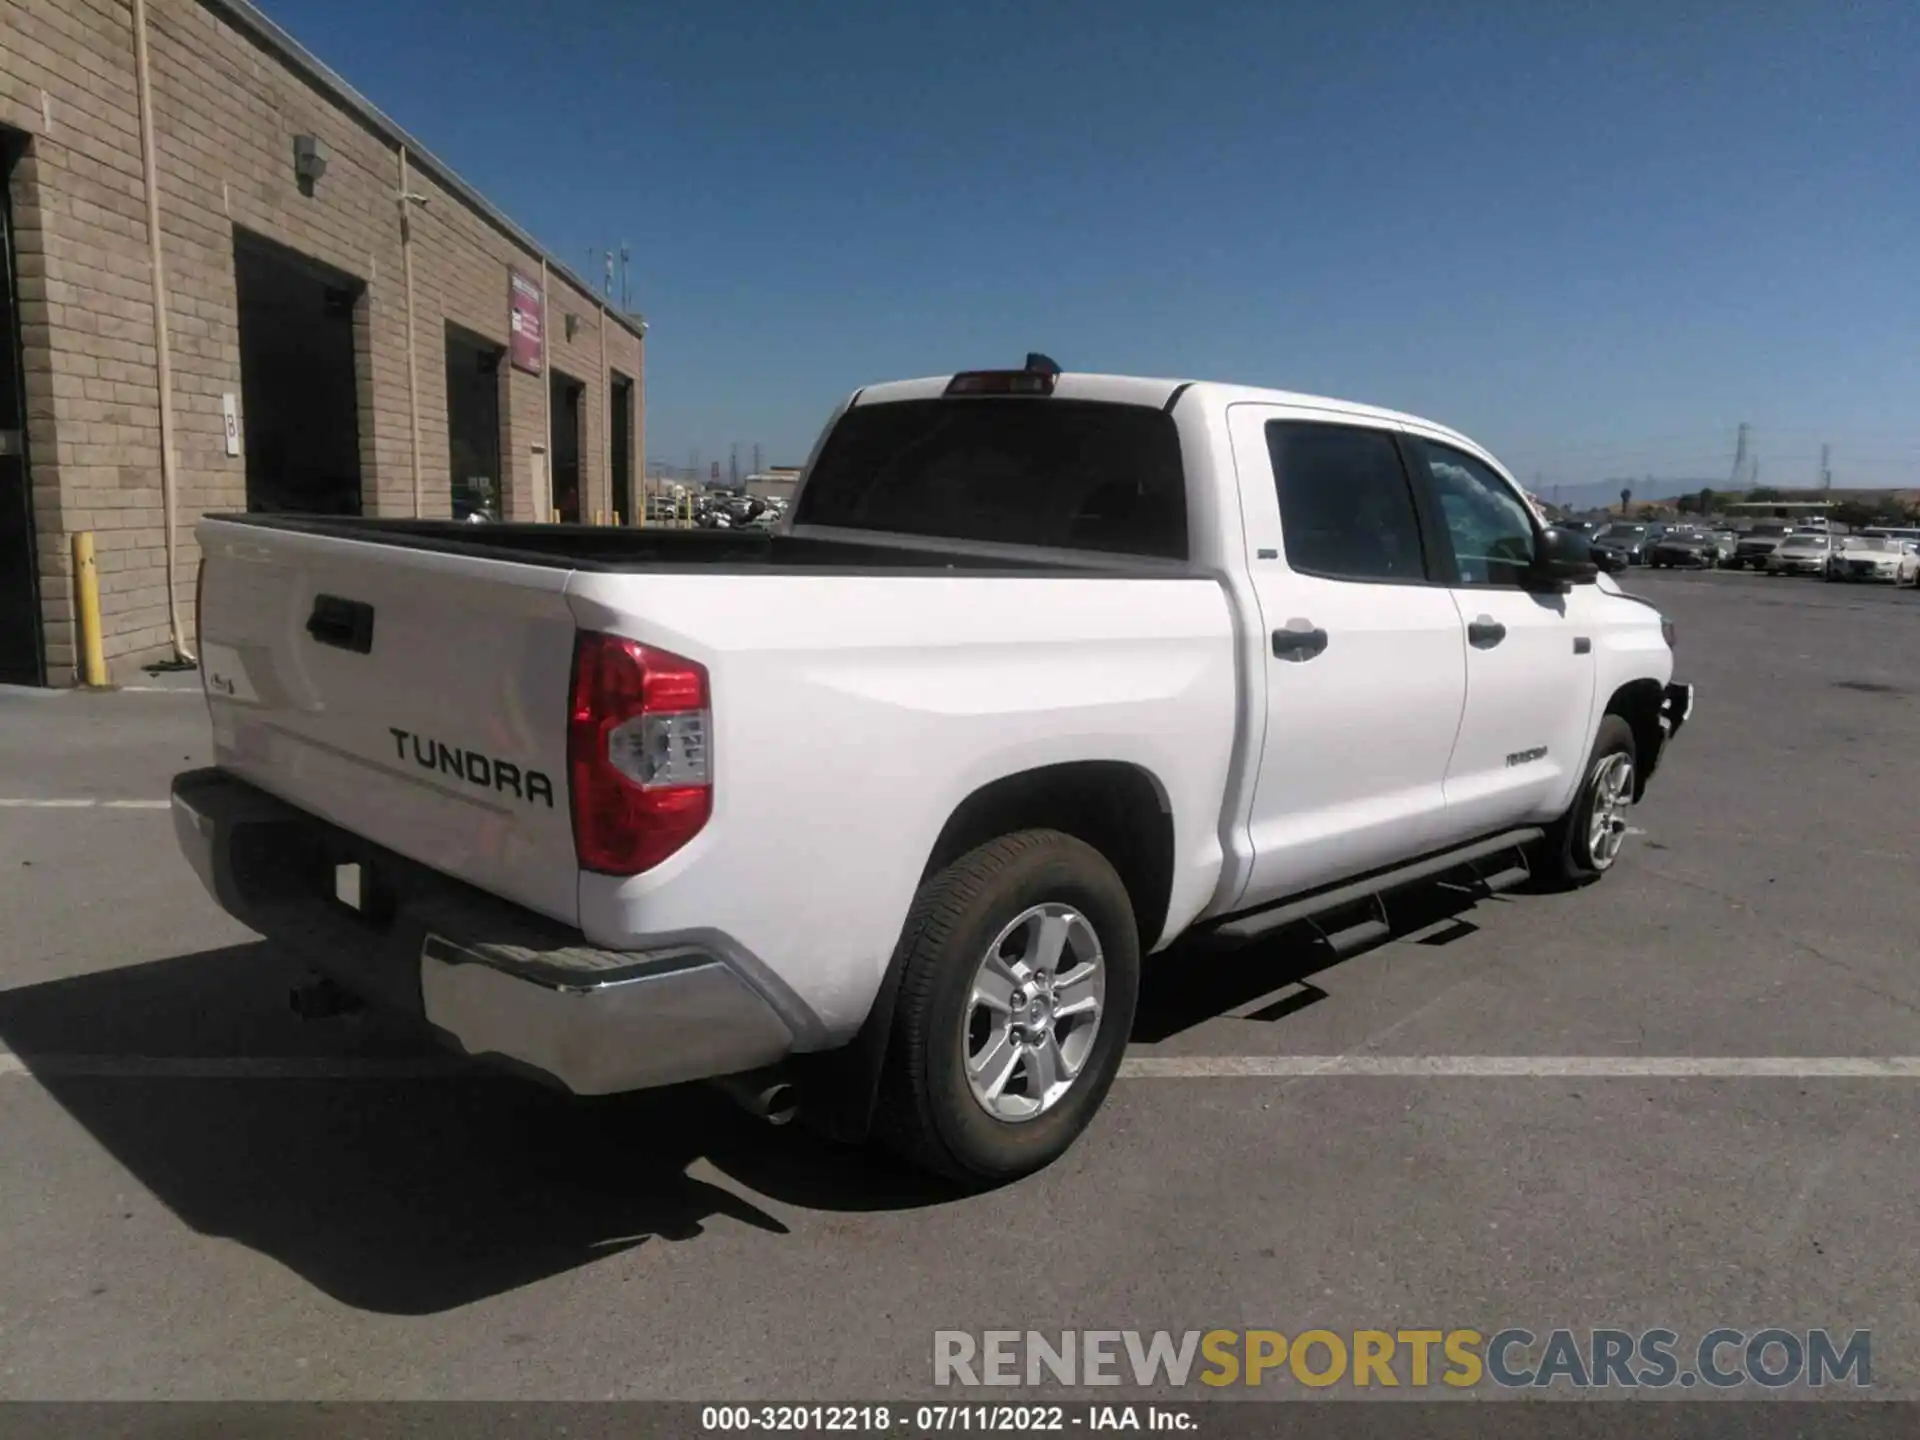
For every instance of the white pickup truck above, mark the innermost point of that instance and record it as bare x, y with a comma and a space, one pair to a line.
878, 814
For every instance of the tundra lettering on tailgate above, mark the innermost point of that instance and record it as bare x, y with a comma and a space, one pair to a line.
471, 766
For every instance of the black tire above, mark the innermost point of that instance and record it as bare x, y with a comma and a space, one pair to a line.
927, 1112
1564, 859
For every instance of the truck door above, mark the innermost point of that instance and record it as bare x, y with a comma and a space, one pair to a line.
1530, 668
1364, 654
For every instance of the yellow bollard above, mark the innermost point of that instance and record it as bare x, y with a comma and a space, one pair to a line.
86, 595
599, 517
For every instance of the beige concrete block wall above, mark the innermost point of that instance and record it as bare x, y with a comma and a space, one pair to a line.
226, 110
93, 433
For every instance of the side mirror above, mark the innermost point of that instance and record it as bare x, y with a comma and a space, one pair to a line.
1563, 557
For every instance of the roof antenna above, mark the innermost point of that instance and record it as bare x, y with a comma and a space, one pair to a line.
1038, 364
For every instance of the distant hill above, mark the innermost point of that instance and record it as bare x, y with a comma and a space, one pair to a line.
1596, 493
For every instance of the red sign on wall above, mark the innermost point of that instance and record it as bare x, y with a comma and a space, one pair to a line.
526, 344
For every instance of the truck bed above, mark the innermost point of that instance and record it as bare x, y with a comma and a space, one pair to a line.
409, 682
659, 549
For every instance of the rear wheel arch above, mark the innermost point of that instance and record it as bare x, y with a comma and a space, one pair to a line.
1119, 808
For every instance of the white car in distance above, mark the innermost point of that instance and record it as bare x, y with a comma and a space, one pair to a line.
1876, 557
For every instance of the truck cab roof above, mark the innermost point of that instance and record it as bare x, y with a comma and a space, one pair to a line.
1161, 393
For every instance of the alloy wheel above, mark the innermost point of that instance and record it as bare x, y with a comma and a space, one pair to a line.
1034, 1012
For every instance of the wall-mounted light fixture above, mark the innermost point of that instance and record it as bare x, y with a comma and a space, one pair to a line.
309, 161
573, 325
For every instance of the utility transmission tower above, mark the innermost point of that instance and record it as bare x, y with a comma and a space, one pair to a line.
1826, 467
1745, 468
756, 457
733, 465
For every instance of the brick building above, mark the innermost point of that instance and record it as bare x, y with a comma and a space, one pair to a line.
343, 326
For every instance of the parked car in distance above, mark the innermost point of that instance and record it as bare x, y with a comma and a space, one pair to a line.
1807, 553
882, 810
1757, 542
1894, 532
1724, 542
1623, 543
1683, 548
1876, 557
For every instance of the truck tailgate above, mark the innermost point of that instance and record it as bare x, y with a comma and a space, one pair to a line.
416, 699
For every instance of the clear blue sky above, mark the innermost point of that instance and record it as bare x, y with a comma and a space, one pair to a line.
1594, 236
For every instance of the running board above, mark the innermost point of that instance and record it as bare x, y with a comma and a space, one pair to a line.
1287, 912
1506, 879
1359, 934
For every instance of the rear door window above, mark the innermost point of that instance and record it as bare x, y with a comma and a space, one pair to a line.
1060, 474
1346, 509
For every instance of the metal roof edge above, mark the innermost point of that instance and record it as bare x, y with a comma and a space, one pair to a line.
268, 33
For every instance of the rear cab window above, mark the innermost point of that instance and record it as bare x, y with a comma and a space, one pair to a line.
1045, 472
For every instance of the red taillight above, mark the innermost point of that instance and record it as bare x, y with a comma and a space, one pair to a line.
637, 753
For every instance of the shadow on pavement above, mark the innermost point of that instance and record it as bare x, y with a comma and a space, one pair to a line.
415, 1196
1200, 979
403, 1196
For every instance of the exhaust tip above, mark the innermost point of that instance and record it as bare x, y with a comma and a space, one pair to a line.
779, 1104
773, 1100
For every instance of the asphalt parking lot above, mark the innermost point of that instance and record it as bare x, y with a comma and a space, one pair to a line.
204, 1198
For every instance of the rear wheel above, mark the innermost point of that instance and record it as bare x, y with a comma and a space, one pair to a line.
1583, 844
1021, 971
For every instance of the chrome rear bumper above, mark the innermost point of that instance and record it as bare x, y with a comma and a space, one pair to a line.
677, 1017
489, 978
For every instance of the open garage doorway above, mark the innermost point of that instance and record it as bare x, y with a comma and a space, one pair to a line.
568, 403
298, 386
620, 405
21, 656
473, 424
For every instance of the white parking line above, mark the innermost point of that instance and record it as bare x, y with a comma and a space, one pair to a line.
1139, 1067
1609, 1067
233, 1067
44, 692
38, 803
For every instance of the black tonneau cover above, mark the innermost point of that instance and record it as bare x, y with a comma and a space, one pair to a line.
665, 549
